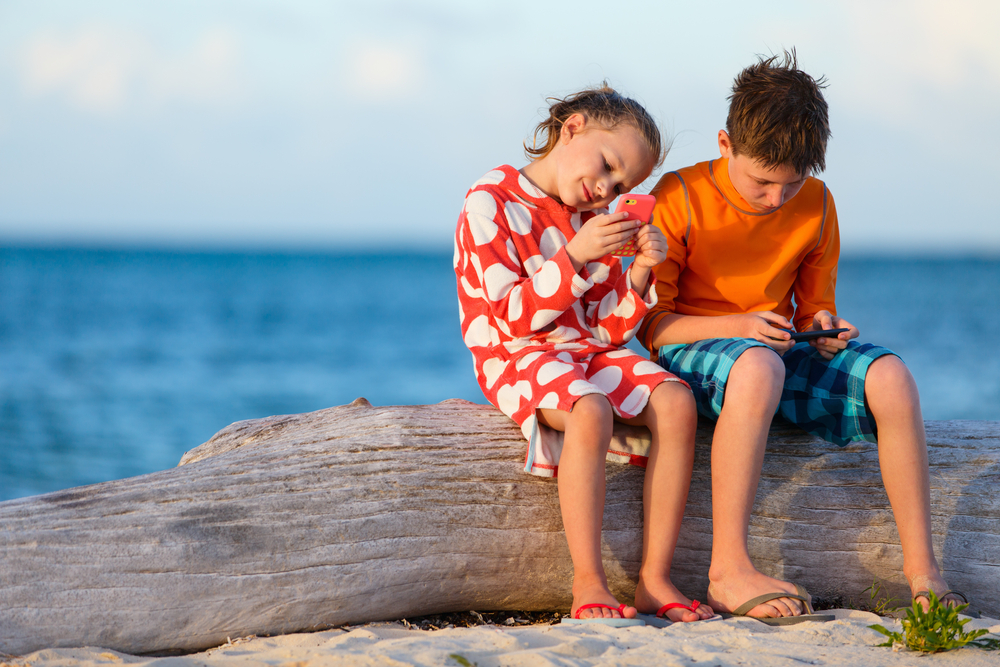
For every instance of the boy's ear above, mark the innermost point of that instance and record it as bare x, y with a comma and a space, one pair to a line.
572, 126
725, 145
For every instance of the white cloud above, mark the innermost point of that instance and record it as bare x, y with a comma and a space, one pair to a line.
383, 72
105, 69
903, 55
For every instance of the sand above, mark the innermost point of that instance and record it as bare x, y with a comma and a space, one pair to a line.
744, 642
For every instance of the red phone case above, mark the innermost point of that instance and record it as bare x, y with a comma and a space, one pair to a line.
639, 207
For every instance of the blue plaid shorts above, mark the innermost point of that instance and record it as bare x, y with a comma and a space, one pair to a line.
824, 398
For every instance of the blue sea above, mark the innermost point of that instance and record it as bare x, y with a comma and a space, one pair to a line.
114, 363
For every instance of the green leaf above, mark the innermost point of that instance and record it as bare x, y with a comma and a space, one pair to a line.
937, 629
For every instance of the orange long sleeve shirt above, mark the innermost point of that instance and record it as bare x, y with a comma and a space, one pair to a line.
726, 258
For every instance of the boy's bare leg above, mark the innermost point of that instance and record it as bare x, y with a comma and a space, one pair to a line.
902, 453
581, 481
752, 395
672, 419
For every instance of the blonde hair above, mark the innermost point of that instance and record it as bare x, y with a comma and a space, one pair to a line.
601, 104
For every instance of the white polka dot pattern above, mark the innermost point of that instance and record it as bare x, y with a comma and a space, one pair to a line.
499, 281
477, 334
492, 368
635, 401
528, 187
519, 217
546, 281
494, 177
550, 401
543, 317
542, 334
598, 271
551, 371
608, 379
552, 242
645, 367
532, 264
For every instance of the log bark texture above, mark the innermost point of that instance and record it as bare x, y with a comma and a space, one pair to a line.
361, 513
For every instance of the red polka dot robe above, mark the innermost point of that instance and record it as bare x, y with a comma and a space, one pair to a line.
541, 334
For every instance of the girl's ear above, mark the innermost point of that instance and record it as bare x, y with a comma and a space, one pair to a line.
573, 126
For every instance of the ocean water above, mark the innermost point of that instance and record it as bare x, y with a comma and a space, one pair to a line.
114, 363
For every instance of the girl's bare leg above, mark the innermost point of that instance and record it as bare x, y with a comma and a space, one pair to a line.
672, 419
581, 480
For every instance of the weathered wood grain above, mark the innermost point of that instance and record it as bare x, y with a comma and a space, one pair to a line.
361, 513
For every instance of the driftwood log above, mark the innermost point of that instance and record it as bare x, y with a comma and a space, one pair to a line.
360, 513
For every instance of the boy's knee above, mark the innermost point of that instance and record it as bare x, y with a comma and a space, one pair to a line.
888, 375
758, 368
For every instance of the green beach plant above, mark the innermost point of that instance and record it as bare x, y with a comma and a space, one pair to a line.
879, 603
937, 629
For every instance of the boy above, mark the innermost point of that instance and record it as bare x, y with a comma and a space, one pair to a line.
747, 233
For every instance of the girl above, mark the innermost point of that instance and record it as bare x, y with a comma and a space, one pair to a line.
546, 311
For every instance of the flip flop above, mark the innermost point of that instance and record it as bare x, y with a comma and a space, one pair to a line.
965, 600
613, 622
660, 619
803, 595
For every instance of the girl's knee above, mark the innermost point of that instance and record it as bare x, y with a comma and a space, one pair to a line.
673, 398
594, 409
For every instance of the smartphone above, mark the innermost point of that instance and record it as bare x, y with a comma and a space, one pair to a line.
798, 337
639, 207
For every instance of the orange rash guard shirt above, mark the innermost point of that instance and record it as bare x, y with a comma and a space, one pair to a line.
725, 258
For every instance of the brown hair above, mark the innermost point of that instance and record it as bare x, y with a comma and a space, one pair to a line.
603, 105
777, 115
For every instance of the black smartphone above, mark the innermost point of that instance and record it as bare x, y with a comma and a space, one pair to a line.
798, 337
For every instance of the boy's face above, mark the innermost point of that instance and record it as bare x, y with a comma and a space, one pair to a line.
764, 188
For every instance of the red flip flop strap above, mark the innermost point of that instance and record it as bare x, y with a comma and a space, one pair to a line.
620, 608
677, 605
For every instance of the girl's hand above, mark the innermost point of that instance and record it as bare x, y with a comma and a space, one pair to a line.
600, 236
651, 245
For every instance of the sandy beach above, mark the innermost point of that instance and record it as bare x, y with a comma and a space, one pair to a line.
847, 640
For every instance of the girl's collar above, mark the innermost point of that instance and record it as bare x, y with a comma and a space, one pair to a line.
523, 187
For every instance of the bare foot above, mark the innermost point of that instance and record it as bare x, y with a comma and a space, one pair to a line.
597, 594
654, 592
932, 582
728, 593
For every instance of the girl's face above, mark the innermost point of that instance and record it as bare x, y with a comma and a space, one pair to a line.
592, 165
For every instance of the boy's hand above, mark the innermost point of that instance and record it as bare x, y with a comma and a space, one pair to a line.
600, 236
827, 347
651, 246
767, 327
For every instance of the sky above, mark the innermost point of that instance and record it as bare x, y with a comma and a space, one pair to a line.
326, 125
